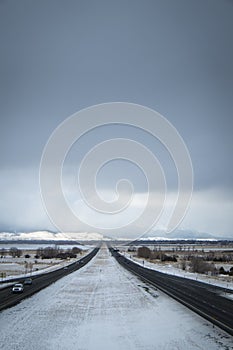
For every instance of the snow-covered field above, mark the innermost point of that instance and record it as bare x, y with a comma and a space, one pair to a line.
33, 247
15, 267
102, 306
41, 268
12, 268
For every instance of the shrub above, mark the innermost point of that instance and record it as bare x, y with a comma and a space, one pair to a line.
15, 252
144, 252
183, 265
197, 264
76, 250
222, 271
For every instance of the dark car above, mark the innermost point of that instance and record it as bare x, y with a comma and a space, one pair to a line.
27, 281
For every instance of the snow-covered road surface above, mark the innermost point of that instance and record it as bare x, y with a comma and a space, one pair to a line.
102, 306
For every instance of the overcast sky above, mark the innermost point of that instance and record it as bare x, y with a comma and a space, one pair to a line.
60, 56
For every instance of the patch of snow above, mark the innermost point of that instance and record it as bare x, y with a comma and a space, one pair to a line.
228, 295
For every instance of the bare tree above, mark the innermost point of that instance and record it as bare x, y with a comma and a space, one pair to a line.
183, 265
197, 264
76, 250
144, 252
15, 252
2, 252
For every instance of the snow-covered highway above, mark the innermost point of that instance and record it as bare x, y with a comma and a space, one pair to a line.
102, 306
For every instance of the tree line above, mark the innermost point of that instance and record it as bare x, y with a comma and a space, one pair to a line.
43, 253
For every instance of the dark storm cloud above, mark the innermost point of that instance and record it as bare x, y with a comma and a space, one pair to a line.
173, 56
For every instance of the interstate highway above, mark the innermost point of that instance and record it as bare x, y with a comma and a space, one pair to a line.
205, 299
8, 299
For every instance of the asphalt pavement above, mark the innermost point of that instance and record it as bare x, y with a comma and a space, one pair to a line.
8, 299
207, 300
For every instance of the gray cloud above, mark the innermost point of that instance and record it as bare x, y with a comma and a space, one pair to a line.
173, 56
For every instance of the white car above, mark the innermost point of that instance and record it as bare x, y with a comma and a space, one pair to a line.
17, 288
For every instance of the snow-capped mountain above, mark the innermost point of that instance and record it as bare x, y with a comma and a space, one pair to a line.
94, 236
180, 234
50, 236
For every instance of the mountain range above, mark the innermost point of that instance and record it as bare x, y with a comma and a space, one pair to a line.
86, 236
50, 236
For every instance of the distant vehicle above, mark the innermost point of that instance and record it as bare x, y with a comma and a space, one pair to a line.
65, 268
17, 288
27, 281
